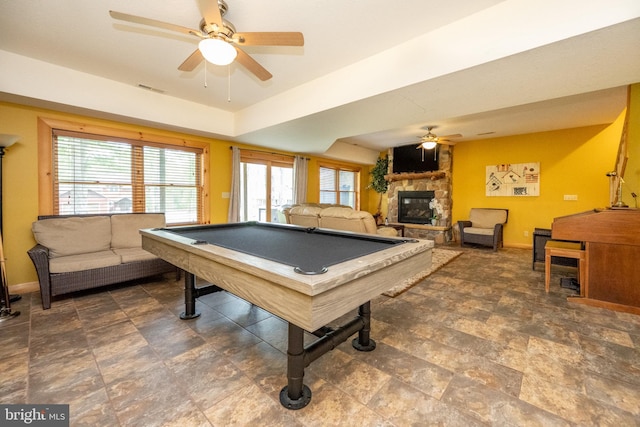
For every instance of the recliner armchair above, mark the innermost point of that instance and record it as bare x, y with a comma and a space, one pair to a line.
347, 219
484, 227
337, 218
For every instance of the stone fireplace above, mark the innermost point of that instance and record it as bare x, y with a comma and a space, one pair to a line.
437, 183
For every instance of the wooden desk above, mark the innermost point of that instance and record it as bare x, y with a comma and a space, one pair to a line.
612, 249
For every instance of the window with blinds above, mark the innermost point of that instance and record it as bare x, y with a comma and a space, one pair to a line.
94, 174
339, 185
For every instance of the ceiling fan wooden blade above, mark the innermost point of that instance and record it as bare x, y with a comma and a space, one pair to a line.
445, 140
269, 39
211, 12
152, 22
252, 65
192, 61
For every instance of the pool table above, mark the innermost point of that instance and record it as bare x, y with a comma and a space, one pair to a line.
306, 276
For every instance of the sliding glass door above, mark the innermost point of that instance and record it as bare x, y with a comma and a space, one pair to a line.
266, 186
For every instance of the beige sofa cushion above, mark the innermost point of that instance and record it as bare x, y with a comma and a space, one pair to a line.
477, 230
487, 218
73, 236
286, 210
305, 216
87, 261
387, 231
134, 254
125, 228
347, 219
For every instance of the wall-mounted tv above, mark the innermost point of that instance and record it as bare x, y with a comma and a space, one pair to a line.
410, 159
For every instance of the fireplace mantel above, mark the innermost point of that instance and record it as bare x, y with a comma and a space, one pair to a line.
415, 175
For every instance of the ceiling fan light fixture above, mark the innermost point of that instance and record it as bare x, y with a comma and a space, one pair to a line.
429, 145
217, 51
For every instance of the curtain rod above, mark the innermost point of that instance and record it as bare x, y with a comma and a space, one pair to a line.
267, 152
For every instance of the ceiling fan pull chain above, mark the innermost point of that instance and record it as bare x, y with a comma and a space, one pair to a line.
205, 74
229, 83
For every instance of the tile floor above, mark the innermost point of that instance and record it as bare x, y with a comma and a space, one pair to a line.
476, 343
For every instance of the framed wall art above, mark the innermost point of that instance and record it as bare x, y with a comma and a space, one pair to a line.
513, 179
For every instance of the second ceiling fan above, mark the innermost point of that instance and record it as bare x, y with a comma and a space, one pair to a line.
219, 42
429, 141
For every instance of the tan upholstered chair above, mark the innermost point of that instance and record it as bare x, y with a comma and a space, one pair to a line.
484, 227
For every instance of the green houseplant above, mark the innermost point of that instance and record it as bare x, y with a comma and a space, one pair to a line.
378, 182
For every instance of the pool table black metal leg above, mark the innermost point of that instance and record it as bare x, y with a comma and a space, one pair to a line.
295, 395
364, 341
189, 297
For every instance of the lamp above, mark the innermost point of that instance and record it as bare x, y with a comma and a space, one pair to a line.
429, 145
619, 203
6, 140
217, 51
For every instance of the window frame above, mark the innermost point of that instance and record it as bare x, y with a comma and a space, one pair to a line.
337, 168
46, 127
269, 160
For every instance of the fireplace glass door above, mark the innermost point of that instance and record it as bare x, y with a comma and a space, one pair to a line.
413, 207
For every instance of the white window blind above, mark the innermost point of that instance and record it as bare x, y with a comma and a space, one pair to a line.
327, 185
94, 174
339, 186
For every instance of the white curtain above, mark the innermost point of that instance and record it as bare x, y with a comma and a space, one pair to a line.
300, 173
234, 198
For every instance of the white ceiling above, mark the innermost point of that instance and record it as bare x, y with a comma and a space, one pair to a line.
372, 74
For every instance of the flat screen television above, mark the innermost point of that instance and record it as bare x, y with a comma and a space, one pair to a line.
409, 159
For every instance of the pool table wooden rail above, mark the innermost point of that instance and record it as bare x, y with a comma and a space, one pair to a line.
309, 301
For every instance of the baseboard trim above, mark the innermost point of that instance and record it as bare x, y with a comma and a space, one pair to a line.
518, 245
24, 288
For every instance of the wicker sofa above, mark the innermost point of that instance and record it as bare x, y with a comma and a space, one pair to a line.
484, 227
80, 252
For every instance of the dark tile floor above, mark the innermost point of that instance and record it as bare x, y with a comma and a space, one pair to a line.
476, 343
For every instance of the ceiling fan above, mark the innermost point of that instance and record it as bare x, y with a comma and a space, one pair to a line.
219, 42
429, 141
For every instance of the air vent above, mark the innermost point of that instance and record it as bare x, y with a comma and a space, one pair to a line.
152, 89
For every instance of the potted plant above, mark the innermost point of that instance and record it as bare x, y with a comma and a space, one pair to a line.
436, 211
379, 184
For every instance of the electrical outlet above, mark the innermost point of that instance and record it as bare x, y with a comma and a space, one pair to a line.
571, 197
526, 233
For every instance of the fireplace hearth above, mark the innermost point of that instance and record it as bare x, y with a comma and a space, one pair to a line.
413, 207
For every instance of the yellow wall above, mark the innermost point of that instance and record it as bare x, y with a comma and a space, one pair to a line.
632, 171
20, 180
572, 162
